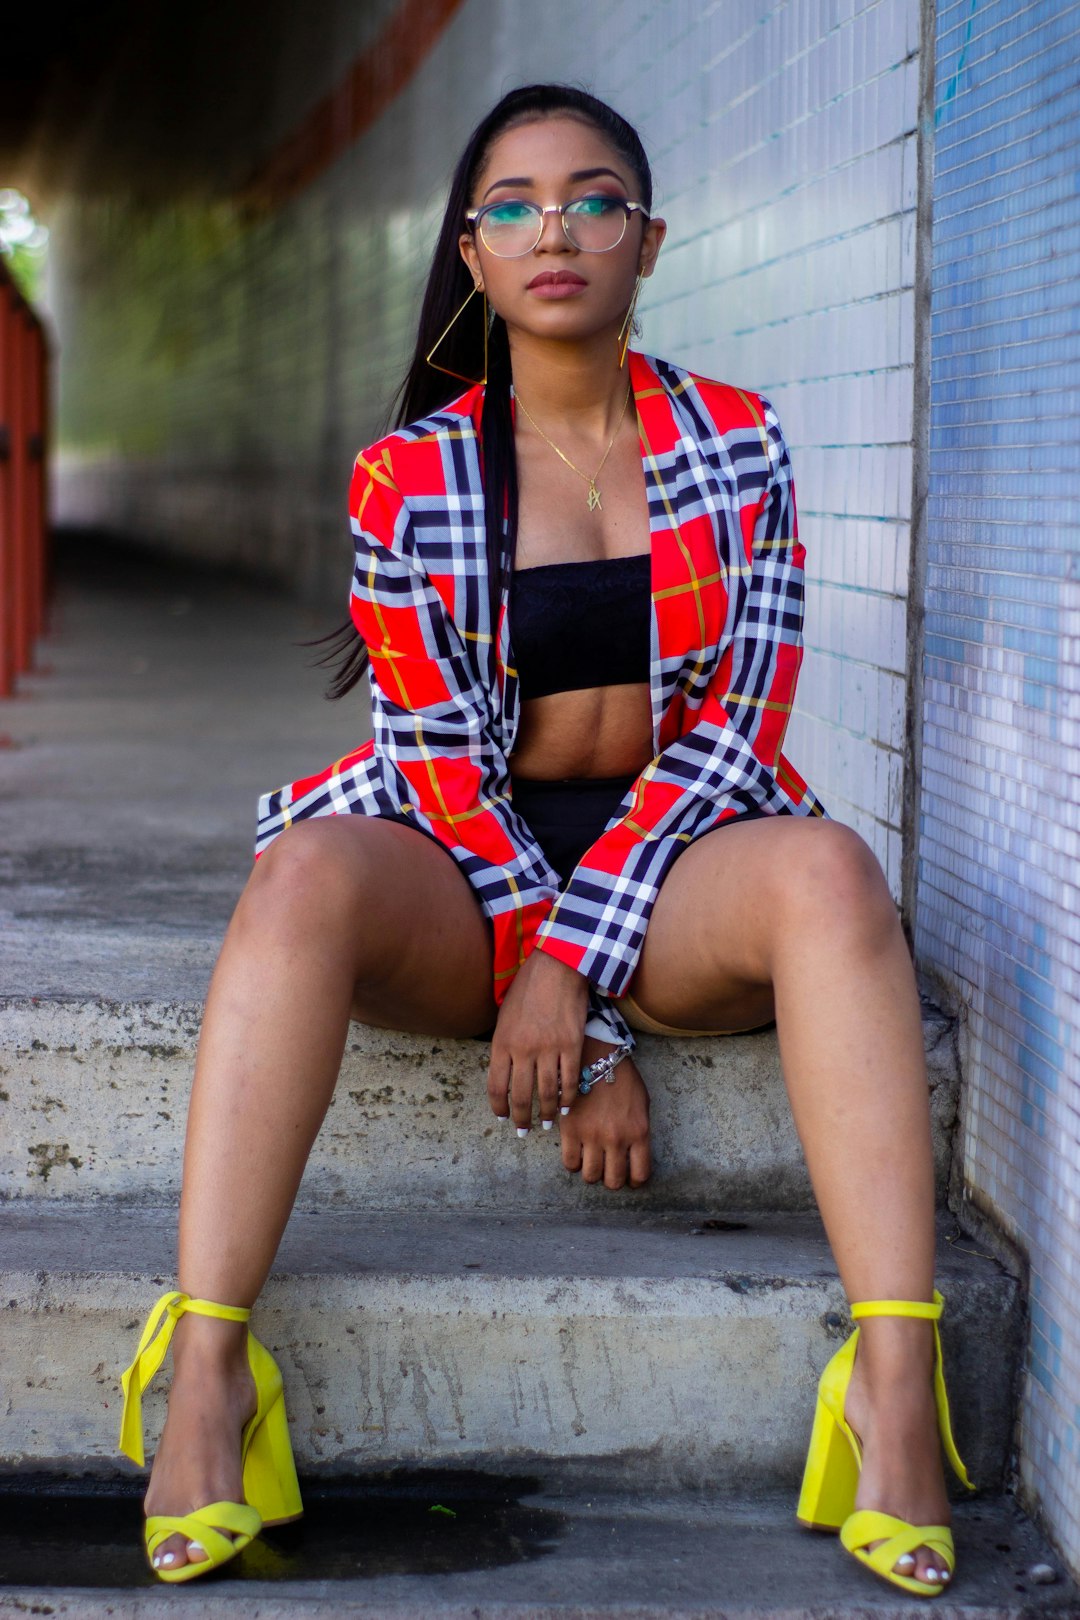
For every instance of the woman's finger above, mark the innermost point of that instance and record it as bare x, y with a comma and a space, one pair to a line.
498, 1083
522, 1080
571, 1148
640, 1162
569, 1074
592, 1162
615, 1168
547, 1088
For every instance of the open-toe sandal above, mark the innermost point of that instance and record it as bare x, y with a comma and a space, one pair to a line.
834, 1463
271, 1489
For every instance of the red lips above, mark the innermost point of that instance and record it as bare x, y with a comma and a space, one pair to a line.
557, 278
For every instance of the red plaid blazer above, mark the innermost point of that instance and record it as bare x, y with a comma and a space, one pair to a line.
726, 640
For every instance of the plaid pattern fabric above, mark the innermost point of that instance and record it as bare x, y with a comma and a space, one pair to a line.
726, 646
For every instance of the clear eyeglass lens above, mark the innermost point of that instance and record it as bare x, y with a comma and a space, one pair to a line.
593, 224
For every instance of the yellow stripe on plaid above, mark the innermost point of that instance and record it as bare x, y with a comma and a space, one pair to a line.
446, 814
757, 419
385, 652
638, 803
673, 524
481, 807
748, 700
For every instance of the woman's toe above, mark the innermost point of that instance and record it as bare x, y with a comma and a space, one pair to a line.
172, 1554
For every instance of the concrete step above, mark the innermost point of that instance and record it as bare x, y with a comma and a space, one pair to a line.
514, 1548
93, 1096
638, 1344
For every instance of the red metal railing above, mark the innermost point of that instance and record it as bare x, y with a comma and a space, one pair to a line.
23, 516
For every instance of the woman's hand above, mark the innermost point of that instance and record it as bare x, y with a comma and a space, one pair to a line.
537, 1041
606, 1133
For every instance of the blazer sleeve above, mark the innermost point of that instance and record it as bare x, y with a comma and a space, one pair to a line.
729, 760
432, 725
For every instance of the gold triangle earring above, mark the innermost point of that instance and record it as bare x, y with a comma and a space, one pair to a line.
626, 327
435, 364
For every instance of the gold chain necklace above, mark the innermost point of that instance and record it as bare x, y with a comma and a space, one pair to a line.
594, 493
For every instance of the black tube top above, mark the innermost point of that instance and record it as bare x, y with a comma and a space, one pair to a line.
579, 624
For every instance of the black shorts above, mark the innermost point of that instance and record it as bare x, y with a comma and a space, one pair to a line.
566, 817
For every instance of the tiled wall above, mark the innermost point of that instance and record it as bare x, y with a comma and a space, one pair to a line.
790, 267
221, 375
999, 891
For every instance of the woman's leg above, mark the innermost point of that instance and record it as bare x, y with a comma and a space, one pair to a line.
794, 914
342, 915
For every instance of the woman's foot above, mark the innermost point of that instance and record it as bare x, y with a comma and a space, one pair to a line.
890, 1405
198, 1457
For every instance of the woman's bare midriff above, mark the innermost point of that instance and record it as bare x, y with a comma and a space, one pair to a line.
595, 731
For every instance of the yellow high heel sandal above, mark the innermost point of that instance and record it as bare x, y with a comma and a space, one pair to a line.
270, 1485
834, 1462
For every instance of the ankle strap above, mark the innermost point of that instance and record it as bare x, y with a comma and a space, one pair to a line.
151, 1353
898, 1307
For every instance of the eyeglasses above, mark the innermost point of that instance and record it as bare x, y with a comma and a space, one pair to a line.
593, 224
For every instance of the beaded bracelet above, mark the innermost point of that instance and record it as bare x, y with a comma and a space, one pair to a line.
603, 1069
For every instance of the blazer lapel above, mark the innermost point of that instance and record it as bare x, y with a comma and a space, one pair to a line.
677, 574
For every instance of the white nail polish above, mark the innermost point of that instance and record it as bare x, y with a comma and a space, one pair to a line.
906, 1558
564, 1110
157, 1560
523, 1130
195, 1546
547, 1124
931, 1575
502, 1118
168, 1558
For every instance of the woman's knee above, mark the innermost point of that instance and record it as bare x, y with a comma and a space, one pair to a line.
312, 871
833, 883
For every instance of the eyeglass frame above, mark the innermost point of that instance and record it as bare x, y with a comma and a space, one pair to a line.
473, 217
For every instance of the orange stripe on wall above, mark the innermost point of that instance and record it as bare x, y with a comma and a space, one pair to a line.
379, 73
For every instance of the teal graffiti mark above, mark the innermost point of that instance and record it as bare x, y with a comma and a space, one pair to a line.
953, 84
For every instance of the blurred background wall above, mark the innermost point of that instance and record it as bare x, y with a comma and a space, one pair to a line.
873, 218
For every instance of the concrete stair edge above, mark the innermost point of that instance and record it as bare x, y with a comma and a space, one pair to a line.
98, 1092
412, 1339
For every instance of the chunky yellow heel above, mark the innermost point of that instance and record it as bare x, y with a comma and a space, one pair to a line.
271, 1487
834, 1463
831, 1476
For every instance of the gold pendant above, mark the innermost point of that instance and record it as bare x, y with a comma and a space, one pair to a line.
594, 498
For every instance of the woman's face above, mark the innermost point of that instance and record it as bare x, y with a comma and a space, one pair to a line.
551, 160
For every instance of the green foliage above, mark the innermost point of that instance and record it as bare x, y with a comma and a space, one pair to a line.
24, 243
26, 266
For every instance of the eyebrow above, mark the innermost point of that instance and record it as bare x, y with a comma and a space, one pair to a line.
578, 174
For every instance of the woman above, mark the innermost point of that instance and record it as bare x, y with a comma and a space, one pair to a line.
567, 714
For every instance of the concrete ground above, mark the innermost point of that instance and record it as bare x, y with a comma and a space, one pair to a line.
517, 1547
168, 699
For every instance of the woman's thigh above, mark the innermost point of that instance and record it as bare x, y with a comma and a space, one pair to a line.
413, 928
727, 904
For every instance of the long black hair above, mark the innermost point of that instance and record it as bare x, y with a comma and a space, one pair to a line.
424, 389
